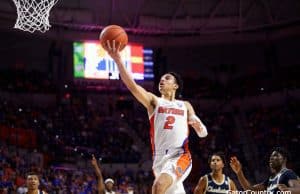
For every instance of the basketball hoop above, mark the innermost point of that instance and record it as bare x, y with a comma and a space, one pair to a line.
33, 14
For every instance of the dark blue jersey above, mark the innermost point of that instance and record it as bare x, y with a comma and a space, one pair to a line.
282, 177
213, 187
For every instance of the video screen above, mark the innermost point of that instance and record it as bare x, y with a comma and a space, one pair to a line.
91, 61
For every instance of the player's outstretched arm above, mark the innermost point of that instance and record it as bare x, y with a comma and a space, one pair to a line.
232, 185
293, 186
201, 186
195, 122
144, 97
100, 183
237, 168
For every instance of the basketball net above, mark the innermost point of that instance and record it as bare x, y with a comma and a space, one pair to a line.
33, 14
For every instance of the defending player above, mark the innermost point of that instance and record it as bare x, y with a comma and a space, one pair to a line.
280, 174
33, 183
215, 182
103, 187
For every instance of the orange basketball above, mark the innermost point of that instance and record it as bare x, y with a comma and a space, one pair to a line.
113, 32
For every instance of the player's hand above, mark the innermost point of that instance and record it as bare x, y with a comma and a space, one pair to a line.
194, 123
94, 161
113, 49
282, 187
235, 164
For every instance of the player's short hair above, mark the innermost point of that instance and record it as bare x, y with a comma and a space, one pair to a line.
179, 82
30, 173
285, 154
220, 154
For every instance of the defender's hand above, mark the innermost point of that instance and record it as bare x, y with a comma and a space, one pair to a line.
235, 164
94, 161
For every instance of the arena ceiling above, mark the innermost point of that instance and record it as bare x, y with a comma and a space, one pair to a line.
171, 21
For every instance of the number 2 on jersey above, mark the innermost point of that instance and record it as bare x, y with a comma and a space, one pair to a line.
170, 120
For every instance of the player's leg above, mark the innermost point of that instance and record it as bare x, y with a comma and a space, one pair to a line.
162, 183
182, 167
176, 188
183, 164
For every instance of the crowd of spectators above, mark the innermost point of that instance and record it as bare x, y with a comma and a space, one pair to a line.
226, 84
15, 163
274, 126
20, 81
74, 129
68, 126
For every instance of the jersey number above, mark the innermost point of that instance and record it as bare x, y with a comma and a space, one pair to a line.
170, 120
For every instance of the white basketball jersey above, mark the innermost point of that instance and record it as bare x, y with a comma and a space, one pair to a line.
168, 126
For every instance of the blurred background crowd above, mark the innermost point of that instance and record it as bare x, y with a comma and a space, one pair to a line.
57, 139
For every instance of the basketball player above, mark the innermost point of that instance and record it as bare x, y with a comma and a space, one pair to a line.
33, 183
280, 174
105, 187
215, 182
169, 119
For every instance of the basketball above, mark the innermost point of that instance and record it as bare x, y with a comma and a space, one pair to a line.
113, 32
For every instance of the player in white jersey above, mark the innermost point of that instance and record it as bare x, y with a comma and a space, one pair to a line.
169, 119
